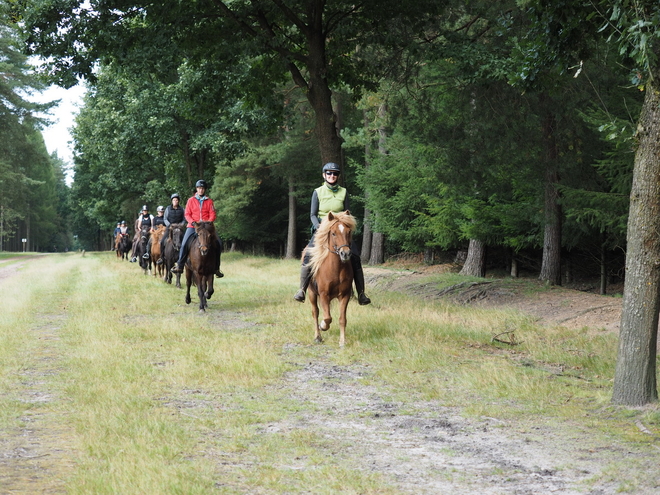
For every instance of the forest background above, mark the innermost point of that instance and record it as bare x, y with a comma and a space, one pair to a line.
528, 127
448, 133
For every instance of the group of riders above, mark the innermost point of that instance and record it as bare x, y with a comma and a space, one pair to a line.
199, 208
329, 197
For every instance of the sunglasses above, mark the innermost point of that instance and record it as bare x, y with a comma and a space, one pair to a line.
332, 173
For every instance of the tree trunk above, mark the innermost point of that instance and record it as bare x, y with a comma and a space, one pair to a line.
429, 257
320, 97
475, 264
291, 231
603, 269
514, 267
551, 265
377, 254
377, 249
367, 237
634, 377
568, 269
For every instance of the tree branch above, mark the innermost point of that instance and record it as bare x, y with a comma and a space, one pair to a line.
270, 37
289, 14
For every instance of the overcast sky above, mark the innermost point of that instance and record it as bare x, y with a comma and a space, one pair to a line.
57, 136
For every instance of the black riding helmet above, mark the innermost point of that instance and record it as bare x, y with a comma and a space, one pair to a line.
175, 195
331, 166
201, 183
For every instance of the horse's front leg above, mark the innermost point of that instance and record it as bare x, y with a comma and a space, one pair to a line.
209, 287
327, 317
201, 289
315, 315
343, 306
188, 283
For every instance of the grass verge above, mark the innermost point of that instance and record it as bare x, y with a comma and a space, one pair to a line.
154, 397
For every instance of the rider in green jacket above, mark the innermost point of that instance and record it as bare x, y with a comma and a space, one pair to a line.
330, 197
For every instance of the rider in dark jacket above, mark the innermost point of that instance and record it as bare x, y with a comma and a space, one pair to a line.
144, 219
173, 214
158, 221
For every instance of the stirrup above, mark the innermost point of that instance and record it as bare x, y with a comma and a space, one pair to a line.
300, 296
159, 261
363, 299
219, 274
145, 256
176, 268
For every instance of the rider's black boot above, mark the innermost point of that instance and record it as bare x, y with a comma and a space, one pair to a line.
305, 278
183, 256
358, 278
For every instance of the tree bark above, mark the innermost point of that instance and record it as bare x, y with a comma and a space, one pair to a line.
367, 238
291, 230
365, 253
603, 269
551, 265
635, 374
319, 96
377, 249
377, 254
475, 264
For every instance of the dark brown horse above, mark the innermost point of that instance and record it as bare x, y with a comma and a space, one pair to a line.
141, 248
332, 272
171, 251
123, 246
200, 267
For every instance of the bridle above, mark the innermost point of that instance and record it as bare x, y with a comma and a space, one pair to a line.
336, 249
207, 244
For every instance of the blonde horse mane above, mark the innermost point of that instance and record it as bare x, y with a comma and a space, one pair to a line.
319, 252
157, 234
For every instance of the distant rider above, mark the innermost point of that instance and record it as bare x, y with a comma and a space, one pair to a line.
146, 220
173, 214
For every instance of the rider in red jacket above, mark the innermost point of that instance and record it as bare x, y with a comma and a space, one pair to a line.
199, 208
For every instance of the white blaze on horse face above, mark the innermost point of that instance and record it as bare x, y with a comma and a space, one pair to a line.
341, 228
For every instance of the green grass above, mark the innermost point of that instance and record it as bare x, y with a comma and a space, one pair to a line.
150, 396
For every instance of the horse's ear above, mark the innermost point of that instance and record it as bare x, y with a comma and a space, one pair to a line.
330, 216
348, 212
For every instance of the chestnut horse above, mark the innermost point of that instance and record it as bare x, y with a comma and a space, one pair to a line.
155, 253
200, 267
332, 272
170, 253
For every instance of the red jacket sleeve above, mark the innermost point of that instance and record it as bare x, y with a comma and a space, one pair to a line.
191, 206
210, 210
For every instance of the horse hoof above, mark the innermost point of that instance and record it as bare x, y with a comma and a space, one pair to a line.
318, 340
188, 300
